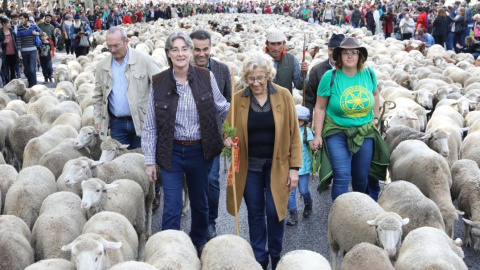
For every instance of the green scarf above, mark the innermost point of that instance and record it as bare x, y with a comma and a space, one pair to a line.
355, 138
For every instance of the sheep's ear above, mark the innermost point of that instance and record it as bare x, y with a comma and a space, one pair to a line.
109, 186
426, 137
454, 104
405, 221
372, 222
110, 245
95, 163
412, 118
461, 213
428, 111
469, 222
68, 247
124, 146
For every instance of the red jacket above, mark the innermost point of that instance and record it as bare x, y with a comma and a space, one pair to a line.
422, 19
98, 24
388, 20
139, 16
127, 19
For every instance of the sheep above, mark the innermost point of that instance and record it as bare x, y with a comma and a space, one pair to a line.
218, 252
18, 88
7, 121
365, 256
18, 106
2, 159
466, 189
112, 149
69, 119
302, 260
470, 148
75, 69
404, 79
64, 107
132, 265
355, 218
4, 100
16, 253
56, 158
129, 166
171, 249
422, 97
122, 196
416, 109
52, 264
8, 175
61, 220
401, 116
436, 140
88, 138
414, 162
462, 105
108, 238
41, 105
66, 91
62, 73
440, 77
25, 128
457, 74
435, 83
40, 145
84, 77
442, 251
398, 197
26, 194
87, 117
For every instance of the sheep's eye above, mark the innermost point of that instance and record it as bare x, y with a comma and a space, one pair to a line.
96, 259
89, 133
98, 190
84, 166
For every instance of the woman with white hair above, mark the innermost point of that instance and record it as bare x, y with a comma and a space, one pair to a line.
270, 155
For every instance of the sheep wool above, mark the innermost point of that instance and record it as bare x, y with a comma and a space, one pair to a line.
16, 253
52, 264
303, 260
366, 256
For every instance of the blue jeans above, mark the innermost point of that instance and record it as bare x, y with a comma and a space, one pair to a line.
123, 131
347, 166
259, 200
373, 187
449, 41
188, 161
303, 189
213, 190
30, 67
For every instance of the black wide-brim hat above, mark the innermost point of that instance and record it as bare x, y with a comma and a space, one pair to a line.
349, 43
335, 40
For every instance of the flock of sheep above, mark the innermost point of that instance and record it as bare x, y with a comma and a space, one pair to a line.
71, 201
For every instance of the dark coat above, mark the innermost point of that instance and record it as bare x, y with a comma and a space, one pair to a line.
4, 46
315, 75
440, 26
222, 76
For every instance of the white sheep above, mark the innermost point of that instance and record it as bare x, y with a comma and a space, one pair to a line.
61, 220
111, 149
8, 175
18, 88
129, 166
422, 97
132, 265
302, 260
121, 196
62, 73
457, 74
42, 105
398, 197
462, 105
18, 106
401, 116
63, 107
65, 91
88, 138
172, 249
218, 252
108, 238
355, 218
416, 109
414, 162
40, 145
436, 140
52, 264
365, 256
16, 253
69, 119
26, 194
429, 248
84, 77
466, 189
26, 127
7, 121
87, 117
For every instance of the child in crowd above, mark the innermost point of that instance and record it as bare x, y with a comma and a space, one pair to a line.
303, 115
45, 57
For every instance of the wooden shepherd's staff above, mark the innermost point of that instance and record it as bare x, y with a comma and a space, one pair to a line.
232, 108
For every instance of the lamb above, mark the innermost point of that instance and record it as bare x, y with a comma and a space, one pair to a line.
355, 218
436, 140
302, 260
88, 138
92, 251
365, 256
132, 265
442, 251
129, 166
112, 149
26, 194
16, 253
8, 175
171, 249
52, 264
122, 196
26, 127
61, 220
218, 252
65, 91
40, 145
398, 197
466, 189
470, 148
414, 162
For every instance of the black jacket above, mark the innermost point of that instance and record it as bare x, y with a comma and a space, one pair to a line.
4, 46
440, 26
459, 23
315, 75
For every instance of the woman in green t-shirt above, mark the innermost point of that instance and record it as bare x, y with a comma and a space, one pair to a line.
347, 101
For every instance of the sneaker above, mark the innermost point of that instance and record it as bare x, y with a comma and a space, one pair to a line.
292, 218
307, 210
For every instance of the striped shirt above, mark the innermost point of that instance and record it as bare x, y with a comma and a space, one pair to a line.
25, 38
117, 99
187, 123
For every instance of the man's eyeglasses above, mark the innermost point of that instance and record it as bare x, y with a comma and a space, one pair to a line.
350, 52
114, 46
253, 79
177, 50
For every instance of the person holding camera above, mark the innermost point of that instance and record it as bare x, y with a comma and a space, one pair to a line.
79, 32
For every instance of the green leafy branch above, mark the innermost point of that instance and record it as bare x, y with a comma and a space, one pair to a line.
230, 132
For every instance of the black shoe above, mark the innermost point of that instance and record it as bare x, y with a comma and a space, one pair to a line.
292, 218
212, 232
307, 211
264, 265
275, 261
199, 250
156, 203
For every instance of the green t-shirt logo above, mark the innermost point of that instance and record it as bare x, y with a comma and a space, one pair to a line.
355, 101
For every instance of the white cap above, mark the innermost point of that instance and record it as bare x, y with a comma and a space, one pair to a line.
303, 113
276, 35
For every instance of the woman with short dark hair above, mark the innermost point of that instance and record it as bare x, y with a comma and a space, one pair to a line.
440, 25
9, 50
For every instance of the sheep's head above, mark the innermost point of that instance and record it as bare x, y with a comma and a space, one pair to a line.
438, 141
449, 215
111, 149
424, 98
93, 190
16, 87
400, 116
389, 231
89, 251
475, 233
80, 170
85, 137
